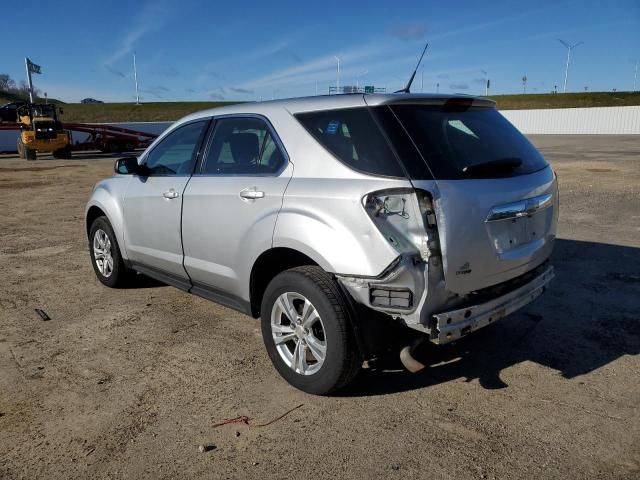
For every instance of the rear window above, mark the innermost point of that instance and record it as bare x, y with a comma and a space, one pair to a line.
354, 138
459, 141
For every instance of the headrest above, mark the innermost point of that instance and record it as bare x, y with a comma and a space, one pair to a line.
244, 147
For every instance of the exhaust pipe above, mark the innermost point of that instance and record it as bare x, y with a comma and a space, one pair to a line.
408, 360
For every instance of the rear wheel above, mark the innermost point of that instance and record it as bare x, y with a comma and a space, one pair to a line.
306, 330
105, 255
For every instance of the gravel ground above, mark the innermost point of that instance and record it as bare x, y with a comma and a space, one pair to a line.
129, 383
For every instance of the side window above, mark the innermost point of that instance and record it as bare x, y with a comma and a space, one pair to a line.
242, 146
176, 153
352, 136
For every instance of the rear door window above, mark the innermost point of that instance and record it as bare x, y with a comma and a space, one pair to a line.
242, 146
354, 138
458, 141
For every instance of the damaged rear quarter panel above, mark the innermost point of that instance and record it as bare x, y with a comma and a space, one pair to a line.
325, 220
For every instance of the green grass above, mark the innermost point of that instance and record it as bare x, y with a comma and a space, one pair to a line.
566, 100
169, 111
130, 112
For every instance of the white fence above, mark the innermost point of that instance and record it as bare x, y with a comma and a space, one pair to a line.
594, 121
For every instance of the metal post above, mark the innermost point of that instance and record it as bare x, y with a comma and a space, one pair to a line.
26, 64
135, 77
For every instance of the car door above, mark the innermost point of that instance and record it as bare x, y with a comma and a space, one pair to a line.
153, 202
231, 205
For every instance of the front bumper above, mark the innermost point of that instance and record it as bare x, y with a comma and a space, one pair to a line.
451, 325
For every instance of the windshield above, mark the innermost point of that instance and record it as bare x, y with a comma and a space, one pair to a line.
43, 111
458, 141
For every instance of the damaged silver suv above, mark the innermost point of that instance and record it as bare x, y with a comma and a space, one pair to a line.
321, 214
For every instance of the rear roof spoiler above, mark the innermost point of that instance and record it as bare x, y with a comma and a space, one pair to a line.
453, 101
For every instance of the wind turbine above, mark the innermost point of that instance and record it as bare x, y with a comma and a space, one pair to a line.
566, 70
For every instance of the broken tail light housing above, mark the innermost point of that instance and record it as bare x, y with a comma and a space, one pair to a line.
396, 298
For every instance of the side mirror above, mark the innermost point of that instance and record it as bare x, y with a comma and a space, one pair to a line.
126, 166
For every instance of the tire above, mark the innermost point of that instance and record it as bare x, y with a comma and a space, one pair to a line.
115, 273
63, 153
311, 286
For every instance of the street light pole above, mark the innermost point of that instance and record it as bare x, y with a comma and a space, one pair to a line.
338, 74
358, 79
486, 82
135, 77
566, 70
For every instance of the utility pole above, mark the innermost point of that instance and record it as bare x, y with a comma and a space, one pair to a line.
135, 77
635, 77
566, 70
338, 74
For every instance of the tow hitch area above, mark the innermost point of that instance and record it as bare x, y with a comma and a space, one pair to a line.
450, 326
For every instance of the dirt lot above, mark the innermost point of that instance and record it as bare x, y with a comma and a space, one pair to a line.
128, 383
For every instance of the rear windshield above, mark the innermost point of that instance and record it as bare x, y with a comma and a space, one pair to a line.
458, 142
353, 136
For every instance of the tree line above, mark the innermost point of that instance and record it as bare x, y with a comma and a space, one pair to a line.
21, 89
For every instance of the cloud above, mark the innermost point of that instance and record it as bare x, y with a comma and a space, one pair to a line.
443, 76
408, 31
157, 91
216, 96
241, 90
479, 81
458, 86
167, 71
152, 16
114, 71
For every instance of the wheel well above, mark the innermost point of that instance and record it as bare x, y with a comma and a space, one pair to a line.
267, 266
93, 213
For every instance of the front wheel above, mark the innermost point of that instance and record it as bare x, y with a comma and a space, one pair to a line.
24, 152
63, 153
306, 330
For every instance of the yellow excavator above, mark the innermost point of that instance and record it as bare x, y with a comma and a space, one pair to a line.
41, 132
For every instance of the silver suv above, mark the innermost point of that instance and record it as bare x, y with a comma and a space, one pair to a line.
321, 215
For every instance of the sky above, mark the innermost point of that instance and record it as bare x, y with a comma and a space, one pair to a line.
209, 50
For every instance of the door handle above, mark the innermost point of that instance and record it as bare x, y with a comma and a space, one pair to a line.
251, 194
171, 194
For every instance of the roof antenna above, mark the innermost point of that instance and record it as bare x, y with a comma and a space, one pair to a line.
407, 88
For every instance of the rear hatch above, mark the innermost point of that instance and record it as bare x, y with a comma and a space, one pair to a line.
496, 200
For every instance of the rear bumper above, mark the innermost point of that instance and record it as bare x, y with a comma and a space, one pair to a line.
452, 325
